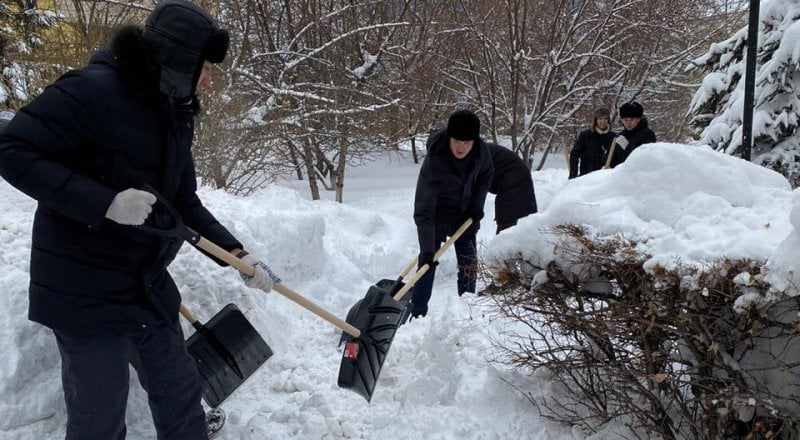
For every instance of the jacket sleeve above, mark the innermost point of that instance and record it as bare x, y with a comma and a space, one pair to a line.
197, 217
425, 198
649, 137
40, 141
575, 155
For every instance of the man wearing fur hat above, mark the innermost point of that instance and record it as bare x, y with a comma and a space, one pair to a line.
635, 133
591, 146
83, 149
452, 186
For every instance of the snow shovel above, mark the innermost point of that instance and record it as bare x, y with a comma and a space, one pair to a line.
379, 314
392, 286
181, 231
227, 351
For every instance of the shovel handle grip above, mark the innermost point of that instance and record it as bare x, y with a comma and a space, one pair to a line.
247, 269
422, 270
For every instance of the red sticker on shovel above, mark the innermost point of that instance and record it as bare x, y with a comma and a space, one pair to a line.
351, 350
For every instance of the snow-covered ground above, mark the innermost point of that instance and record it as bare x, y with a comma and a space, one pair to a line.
438, 381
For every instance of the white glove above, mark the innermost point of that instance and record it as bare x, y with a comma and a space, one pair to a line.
621, 141
131, 207
263, 279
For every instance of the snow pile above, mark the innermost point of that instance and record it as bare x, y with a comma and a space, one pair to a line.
684, 205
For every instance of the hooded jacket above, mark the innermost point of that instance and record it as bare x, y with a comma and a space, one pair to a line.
91, 134
589, 151
450, 190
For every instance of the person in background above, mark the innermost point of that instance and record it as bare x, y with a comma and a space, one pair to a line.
452, 186
635, 133
513, 186
591, 146
515, 197
83, 149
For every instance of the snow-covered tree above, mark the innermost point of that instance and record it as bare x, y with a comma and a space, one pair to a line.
717, 106
306, 85
536, 69
21, 25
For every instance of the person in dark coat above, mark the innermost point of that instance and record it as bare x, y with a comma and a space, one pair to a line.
513, 186
635, 133
452, 186
83, 149
591, 146
515, 198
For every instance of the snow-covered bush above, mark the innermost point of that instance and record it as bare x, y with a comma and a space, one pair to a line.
661, 293
684, 352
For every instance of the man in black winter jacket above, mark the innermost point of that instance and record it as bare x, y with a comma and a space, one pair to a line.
591, 146
635, 133
452, 186
83, 149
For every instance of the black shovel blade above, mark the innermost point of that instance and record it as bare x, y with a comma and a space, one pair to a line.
249, 350
390, 286
378, 316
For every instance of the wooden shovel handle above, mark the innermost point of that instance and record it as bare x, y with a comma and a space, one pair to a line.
409, 268
188, 315
611, 153
247, 269
438, 254
422, 270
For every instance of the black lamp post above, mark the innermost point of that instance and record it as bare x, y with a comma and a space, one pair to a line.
750, 80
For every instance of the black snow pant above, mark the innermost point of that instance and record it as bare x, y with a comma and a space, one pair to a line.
95, 377
467, 258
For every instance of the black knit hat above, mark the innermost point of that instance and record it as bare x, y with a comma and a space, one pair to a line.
182, 36
464, 126
631, 110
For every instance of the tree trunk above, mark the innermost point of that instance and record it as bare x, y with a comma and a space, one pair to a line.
312, 176
340, 166
295, 161
220, 181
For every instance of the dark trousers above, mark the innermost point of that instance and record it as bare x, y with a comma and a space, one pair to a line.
467, 257
95, 377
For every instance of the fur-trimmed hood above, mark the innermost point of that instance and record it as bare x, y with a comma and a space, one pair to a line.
133, 58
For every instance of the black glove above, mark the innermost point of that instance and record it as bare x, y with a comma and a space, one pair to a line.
426, 258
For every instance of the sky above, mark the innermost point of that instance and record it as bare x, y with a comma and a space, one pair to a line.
440, 379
